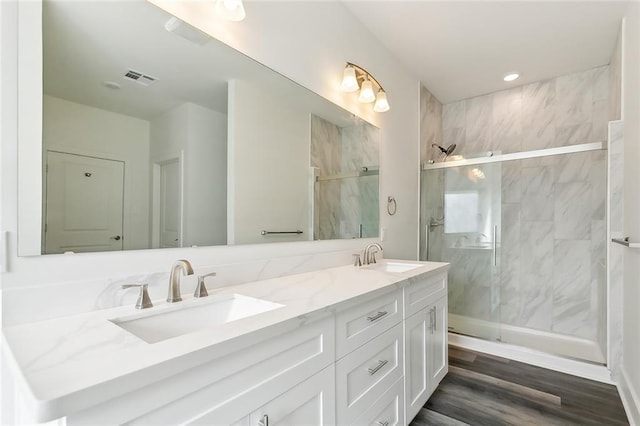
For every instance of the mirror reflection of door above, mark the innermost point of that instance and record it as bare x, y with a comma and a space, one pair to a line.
84, 203
170, 202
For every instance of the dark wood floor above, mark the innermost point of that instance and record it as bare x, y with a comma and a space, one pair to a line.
482, 389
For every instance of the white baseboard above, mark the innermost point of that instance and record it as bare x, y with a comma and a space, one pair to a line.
629, 398
582, 369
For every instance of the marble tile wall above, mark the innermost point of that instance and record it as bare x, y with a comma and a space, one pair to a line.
615, 81
431, 184
430, 125
343, 205
615, 208
553, 244
567, 110
553, 231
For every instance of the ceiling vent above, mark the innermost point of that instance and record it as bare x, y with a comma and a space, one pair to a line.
140, 78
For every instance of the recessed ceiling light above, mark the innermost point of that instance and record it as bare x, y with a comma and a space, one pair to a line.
511, 76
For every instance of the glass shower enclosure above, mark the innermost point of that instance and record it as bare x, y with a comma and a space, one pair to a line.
461, 214
525, 234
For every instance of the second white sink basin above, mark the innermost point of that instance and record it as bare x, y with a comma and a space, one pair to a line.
394, 266
182, 320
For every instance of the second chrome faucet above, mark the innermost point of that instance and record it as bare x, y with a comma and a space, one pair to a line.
174, 279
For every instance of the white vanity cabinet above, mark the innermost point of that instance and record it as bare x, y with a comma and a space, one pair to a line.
371, 354
425, 338
231, 389
370, 341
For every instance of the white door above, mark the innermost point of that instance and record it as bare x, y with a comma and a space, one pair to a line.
84, 203
170, 204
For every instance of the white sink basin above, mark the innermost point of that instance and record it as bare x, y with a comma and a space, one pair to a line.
394, 266
182, 320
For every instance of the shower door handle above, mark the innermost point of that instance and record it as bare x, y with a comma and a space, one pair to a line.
495, 245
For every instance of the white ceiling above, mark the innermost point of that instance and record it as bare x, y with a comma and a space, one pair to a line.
461, 49
86, 43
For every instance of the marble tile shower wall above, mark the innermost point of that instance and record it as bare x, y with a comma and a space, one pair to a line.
430, 125
616, 251
553, 250
342, 205
566, 110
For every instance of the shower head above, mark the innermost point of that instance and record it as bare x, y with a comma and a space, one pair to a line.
448, 150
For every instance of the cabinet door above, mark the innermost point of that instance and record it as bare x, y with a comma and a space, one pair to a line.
311, 402
417, 328
438, 350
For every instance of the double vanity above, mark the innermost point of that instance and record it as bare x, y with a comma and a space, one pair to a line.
344, 345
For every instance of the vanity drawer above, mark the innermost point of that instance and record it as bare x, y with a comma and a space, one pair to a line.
357, 325
423, 293
388, 410
364, 375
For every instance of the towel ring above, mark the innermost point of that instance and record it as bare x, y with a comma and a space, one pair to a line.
392, 205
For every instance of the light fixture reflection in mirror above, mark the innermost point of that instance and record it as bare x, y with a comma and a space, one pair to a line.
231, 10
171, 135
355, 77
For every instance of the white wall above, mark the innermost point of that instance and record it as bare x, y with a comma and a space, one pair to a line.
631, 290
206, 177
309, 42
80, 129
269, 142
200, 134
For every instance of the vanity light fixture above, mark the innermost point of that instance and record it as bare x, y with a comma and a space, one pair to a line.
356, 77
510, 76
231, 10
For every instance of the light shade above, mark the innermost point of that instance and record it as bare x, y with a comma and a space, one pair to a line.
366, 92
382, 105
349, 80
511, 76
231, 10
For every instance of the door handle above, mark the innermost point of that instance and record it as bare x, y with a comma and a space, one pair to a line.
117, 237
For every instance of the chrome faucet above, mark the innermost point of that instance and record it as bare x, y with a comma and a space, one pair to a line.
174, 279
369, 256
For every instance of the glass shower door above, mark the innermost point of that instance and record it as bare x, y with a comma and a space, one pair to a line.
460, 218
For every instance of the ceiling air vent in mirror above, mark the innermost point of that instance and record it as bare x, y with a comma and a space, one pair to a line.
140, 78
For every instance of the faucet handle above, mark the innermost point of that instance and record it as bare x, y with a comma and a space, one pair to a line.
144, 301
356, 259
201, 289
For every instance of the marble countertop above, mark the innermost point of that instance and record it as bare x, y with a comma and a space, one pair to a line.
70, 363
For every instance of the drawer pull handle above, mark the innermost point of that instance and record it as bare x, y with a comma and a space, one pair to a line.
264, 421
377, 316
375, 369
383, 423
